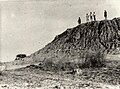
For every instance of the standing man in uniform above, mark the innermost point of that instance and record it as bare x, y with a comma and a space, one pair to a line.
91, 18
94, 16
105, 14
79, 21
87, 17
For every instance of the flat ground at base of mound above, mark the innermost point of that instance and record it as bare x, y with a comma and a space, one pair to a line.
34, 78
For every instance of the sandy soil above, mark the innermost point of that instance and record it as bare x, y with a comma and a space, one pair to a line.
33, 78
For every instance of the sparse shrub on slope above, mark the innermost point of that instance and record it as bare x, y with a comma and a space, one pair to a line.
65, 66
48, 65
93, 60
58, 66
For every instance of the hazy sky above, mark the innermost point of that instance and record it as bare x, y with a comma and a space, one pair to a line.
28, 25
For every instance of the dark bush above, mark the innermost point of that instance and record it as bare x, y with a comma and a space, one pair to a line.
93, 60
19, 56
58, 66
49, 65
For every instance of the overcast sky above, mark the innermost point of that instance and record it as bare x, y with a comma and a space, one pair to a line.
28, 25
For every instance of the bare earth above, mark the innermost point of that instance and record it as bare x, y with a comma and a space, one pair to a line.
34, 78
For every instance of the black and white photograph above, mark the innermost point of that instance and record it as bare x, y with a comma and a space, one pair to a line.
59, 44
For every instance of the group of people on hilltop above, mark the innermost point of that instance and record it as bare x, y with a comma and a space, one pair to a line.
92, 17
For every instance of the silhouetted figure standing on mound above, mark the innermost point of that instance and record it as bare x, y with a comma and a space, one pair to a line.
91, 18
94, 16
79, 20
87, 17
105, 14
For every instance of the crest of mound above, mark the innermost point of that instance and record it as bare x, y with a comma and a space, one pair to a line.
93, 36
